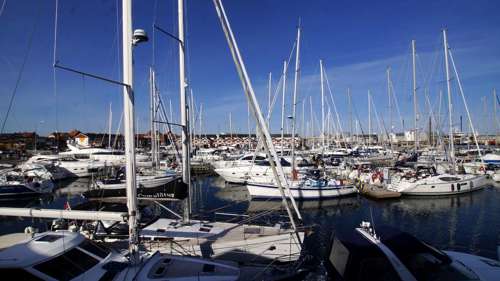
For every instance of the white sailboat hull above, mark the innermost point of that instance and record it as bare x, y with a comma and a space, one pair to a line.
440, 185
268, 191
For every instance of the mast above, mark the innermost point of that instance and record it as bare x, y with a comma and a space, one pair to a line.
322, 104
312, 120
283, 106
495, 112
450, 104
276, 167
192, 121
369, 118
230, 125
269, 82
185, 135
303, 119
295, 93
110, 121
128, 114
388, 71
413, 52
152, 91
349, 100
200, 130
248, 126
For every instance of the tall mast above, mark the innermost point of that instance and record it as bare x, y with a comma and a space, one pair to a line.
110, 122
201, 121
185, 135
495, 112
322, 104
152, 90
283, 106
350, 111
269, 82
389, 96
230, 125
248, 126
295, 93
413, 53
276, 167
303, 118
369, 118
192, 122
129, 130
450, 104
312, 120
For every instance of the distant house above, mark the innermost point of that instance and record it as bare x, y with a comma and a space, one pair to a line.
81, 139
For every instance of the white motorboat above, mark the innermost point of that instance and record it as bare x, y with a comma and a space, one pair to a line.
243, 161
389, 254
111, 157
62, 167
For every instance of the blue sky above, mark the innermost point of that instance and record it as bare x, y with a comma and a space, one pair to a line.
357, 41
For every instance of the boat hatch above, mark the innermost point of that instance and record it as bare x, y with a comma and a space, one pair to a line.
49, 238
67, 266
95, 249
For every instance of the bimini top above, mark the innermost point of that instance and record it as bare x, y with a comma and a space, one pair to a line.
38, 248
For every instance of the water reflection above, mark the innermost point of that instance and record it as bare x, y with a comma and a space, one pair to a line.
468, 222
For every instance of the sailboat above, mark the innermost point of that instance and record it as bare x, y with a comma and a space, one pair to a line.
309, 186
235, 241
66, 255
440, 184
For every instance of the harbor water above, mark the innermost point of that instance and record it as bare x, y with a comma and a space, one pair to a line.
468, 222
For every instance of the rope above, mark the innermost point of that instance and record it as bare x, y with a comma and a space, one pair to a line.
21, 71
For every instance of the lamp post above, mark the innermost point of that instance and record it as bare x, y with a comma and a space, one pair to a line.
36, 128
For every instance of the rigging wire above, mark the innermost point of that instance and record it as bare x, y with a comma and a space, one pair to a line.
21, 71
3, 7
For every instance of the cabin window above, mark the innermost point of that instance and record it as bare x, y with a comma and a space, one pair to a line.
452, 187
94, 248
18, 274
68, 265
260, 158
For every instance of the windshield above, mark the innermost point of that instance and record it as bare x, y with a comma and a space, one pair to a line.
425, 266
